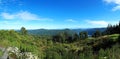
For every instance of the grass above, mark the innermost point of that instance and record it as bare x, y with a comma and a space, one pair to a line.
114, 36
1, 53
39, 46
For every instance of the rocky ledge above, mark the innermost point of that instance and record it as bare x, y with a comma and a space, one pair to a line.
15, 53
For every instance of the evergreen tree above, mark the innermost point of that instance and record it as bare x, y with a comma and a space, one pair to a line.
23, 31
83, 35
62, 37
119, 39
113, 29
119, 27
109, 28
76, 36
97, 34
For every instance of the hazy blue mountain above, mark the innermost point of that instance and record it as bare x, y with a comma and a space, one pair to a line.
49, 31
89, 30
56, 31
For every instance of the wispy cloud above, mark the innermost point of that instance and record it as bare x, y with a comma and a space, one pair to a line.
9, 23
117, 2
6, 2
113, 1
22, 15
99, 22
7, 16
116, 8
27, 16
70, 20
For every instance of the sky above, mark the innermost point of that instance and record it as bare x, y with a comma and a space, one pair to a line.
58, 14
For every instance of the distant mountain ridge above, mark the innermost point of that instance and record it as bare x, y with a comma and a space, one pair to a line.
89, 30
56, 31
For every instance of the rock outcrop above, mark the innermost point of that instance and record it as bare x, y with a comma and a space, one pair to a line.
15, 53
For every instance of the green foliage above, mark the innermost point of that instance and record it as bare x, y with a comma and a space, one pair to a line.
63, 45
1, 53
83, 35
63, 37
112, 53
23, 31
113, 29
76, 37
119, 39
97, 34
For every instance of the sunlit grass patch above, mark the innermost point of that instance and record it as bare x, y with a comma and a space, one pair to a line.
1, 53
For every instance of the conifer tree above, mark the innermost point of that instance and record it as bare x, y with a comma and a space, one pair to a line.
23, 31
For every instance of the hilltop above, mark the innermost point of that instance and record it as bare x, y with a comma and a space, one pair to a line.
44, 47
63, 45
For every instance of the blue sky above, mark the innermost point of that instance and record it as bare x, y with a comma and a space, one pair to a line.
58, 14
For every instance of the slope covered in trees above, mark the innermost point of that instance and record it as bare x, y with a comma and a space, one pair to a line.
113, 29
102, 45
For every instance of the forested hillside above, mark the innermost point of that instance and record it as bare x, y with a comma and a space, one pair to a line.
57, 31
64, 45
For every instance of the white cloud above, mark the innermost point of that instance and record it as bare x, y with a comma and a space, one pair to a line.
71, 20
116, 8
99, 22
8, 2
117, 2
23, 15
27, 16
7, 16
113, 1
9, 23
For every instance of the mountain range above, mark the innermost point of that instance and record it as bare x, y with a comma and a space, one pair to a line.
56, 31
